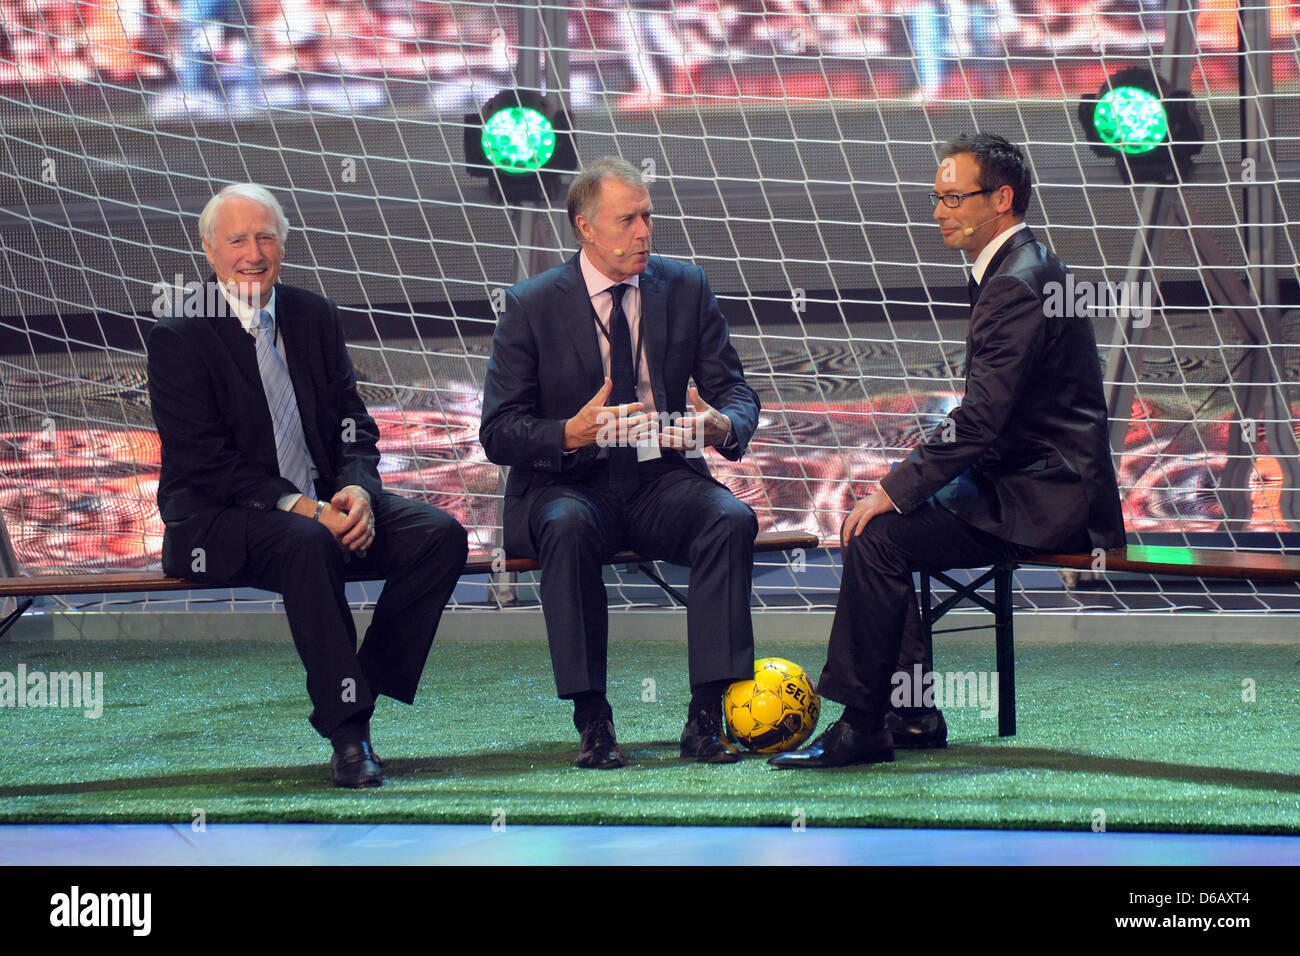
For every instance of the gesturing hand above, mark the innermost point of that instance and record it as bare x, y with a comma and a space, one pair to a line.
597, 421
707, 426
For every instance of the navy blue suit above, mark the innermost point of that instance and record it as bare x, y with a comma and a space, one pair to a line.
546, 365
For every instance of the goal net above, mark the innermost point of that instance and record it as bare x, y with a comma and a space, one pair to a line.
788, 147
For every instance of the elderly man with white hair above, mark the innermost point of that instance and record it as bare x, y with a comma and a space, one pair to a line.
270, 478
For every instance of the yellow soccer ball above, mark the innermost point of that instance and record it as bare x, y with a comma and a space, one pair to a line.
774, 712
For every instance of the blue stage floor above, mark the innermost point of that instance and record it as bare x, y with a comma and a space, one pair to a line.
425, 844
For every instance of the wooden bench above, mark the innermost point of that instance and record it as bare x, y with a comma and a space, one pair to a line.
1136, 559
24, 588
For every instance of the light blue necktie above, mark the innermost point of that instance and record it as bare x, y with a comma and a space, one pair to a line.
290, 443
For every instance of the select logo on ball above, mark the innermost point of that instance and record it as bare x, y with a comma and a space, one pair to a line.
774, 712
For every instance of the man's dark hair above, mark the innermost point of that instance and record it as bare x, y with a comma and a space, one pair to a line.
1001, 163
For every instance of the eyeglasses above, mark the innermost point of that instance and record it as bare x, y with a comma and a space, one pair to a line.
953, 200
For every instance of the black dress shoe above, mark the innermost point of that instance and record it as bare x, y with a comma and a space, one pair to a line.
703, 740
599, 749
840, 746
918, 733
356, 766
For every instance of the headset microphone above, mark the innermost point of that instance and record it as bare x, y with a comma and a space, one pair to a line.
970, 230
617, 250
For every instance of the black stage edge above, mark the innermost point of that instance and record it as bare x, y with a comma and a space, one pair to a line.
376, 907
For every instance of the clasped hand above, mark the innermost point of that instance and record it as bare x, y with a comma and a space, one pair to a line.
347, 516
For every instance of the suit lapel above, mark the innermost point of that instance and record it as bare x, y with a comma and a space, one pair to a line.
579, 318
654, 329
243, 351
999, 257
231, 332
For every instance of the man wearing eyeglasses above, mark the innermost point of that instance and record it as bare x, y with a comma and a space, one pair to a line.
1023, 467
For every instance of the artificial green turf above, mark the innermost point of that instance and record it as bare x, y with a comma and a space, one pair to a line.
1157, 737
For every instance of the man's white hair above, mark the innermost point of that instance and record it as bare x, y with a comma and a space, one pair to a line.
258, 194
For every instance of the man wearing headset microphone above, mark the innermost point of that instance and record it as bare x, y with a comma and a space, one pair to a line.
1022, 466
585, 399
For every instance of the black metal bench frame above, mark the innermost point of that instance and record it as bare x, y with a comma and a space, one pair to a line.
1134, 559
1004, 640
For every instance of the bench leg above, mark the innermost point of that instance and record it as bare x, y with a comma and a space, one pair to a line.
927, 622
649, 571
12, 618
1006, 658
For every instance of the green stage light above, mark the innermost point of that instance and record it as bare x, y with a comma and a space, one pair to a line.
1131, 120
518, 139
1150, 132
522, 143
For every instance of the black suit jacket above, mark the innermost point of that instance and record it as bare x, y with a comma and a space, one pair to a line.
546, 365
1031, 432
218, 445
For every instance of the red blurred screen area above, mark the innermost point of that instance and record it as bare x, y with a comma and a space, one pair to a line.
642, 53
85, 498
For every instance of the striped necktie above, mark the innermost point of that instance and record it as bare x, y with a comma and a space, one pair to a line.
290, 443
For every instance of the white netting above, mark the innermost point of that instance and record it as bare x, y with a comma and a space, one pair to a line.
788, 147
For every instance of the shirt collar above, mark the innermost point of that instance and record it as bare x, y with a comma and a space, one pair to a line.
597, 282
988, 252
246, 314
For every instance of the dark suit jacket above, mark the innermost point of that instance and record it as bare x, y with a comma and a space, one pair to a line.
546, 365
218, 446
1031, 431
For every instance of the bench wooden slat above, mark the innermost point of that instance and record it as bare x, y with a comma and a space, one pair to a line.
1138, 559
117, 582
107, 582
1184, 562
